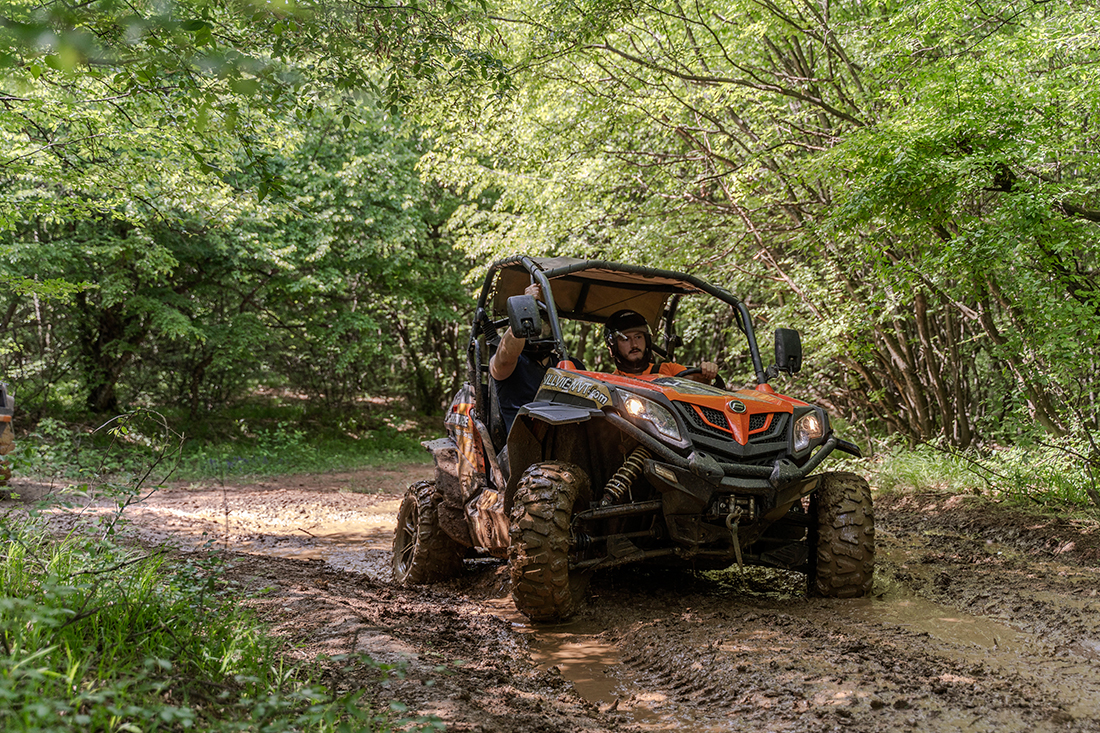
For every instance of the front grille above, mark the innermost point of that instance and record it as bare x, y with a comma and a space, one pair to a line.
776, 431
758, 421
715, 418
697, 424
763, 448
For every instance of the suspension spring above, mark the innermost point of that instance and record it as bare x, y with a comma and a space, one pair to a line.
621, 482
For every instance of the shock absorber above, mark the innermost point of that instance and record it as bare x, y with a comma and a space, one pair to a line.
622, 480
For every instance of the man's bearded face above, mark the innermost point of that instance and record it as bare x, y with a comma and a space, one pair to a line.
631, 345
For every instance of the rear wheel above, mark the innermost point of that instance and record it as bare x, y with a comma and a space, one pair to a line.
422, 551
538, 556
844, 541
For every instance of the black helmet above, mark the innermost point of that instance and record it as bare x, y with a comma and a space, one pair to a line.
619, 322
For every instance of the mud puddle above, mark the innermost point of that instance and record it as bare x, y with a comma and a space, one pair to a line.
577, 652
595, 669
704, 659
977, 641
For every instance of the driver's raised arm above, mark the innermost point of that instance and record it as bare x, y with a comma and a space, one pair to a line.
507, 354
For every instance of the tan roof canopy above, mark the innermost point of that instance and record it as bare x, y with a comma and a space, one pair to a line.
589, 290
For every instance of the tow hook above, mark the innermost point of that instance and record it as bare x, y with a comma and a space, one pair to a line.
731, 524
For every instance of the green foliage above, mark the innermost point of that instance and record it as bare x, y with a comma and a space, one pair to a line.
95, 637
287, 450
346, 284
207, 66
1050, 475
128, 454
254, 439
225, 176
913, 186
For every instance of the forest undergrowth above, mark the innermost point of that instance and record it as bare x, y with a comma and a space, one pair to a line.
99, 635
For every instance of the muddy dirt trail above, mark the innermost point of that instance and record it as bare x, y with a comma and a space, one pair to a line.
983, 619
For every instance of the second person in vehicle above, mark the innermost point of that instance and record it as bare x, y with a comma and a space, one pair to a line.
628, 339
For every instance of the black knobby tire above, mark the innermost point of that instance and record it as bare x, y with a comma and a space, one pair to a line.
422, 551
843, 560
539, 553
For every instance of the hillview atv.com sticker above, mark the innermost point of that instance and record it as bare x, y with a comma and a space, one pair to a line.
559, 381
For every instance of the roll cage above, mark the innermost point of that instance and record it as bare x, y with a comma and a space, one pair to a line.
592, 291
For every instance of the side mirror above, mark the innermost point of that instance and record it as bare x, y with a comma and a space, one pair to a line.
788, 350
523, 317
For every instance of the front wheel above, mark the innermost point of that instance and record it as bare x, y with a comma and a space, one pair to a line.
422, 551
538, 555
843, 565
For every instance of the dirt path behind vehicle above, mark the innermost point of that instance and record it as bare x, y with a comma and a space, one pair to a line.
983, 619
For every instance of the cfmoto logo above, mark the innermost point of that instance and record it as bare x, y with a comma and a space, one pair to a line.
736, 405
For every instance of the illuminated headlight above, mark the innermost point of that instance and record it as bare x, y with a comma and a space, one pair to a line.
807, 429
661, 419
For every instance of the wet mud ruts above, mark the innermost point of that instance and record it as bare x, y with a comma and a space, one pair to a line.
983, 618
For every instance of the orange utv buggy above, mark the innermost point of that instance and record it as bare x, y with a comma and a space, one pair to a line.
599, 470
7, 436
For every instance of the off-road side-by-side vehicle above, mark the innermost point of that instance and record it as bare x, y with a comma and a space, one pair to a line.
600, 470
7, 437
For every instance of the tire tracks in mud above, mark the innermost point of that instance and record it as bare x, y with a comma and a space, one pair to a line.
811, 667
984, 619
998, 630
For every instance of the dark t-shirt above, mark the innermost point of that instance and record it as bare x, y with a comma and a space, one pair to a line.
519, 388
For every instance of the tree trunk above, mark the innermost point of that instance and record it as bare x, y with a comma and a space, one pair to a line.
107, 340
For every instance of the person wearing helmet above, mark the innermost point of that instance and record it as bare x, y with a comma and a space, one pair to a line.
518, 366
626, 334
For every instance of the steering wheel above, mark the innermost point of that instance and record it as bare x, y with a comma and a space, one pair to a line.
718, 381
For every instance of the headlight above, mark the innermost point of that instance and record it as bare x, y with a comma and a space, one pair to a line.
661, 419
807, 429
